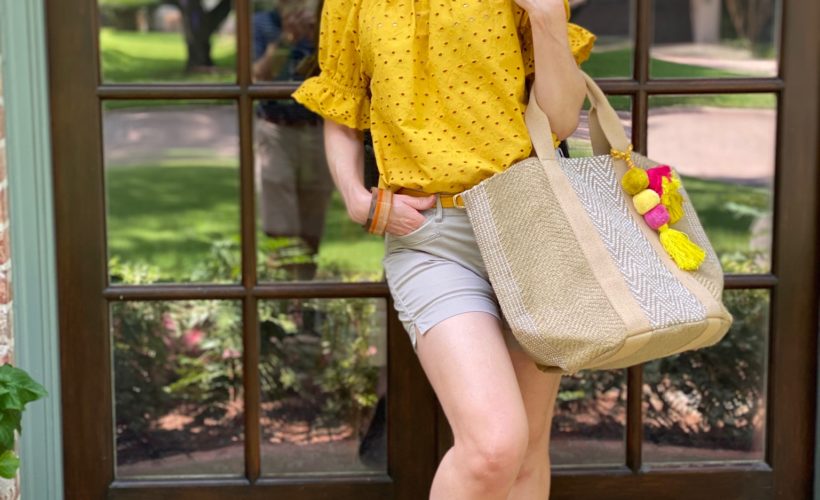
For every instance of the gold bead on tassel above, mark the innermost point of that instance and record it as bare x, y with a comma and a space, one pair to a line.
634, 181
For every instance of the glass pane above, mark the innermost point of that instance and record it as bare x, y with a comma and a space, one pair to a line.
710, 404
178, 388
283, 40
612, 22
159, 41
172, 188
323, 375
723, 146
304, 230
589, 425
579, 142
715, 38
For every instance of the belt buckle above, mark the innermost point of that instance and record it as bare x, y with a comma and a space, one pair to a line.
456, 197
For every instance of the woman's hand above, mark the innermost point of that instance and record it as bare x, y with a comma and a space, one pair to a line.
405, 216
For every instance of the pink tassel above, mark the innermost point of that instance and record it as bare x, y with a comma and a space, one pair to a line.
656, 175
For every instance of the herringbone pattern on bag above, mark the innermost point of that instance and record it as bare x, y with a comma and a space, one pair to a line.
662, 297
544, 283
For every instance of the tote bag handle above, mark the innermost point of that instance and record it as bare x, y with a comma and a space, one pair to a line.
605, 128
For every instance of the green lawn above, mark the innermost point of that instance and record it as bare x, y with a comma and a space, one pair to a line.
168, 216
130, 56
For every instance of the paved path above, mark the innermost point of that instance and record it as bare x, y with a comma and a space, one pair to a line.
716, 56
721, 143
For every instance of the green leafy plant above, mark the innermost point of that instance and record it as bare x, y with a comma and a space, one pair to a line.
17, 389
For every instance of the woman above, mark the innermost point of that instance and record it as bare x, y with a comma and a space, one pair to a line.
443, 86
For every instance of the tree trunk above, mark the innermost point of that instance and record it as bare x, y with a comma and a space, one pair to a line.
199, 26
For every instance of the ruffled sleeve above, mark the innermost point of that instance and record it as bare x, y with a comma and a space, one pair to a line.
341, 90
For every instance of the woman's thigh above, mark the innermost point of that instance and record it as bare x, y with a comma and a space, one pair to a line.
539, 391
468, 364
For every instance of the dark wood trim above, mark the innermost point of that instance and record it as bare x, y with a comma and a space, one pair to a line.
792, 384
88, 456
376, 488
634, 418
319, 289
168, 91
725, 483
247, 203
418, 433
291, 290
738, 281
411, 416
614, 86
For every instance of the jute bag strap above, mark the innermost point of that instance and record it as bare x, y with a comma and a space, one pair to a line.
605, 128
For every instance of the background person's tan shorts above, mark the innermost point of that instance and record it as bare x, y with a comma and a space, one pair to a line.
436, 272
293, 181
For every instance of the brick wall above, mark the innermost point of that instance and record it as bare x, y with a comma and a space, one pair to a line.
9, 490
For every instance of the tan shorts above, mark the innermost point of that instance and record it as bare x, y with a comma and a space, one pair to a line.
293, 180
436, 272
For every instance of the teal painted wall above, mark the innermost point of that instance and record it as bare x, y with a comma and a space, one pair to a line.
22, 35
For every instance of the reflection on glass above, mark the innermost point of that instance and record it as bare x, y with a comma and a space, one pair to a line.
590, 419
323, 377
579, 142
300, 217
284, 39
710, 404
172, 189
304, 230
612, 23
161, 41
715, 38
178, 388
724, 147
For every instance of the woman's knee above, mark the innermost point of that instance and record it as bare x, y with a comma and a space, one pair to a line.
496, 456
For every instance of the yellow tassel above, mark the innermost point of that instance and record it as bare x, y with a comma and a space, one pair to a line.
686, 254
672, 199
634, 181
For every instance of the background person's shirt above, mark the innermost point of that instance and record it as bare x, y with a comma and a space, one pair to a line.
267, 29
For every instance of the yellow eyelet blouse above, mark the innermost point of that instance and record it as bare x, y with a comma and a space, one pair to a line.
441, 84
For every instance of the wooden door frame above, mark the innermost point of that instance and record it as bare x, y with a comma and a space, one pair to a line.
414, 438
84, 295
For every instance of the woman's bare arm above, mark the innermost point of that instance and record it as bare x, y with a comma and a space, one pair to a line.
559, 87
344, 148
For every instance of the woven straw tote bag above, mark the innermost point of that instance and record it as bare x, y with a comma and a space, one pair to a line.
599, 262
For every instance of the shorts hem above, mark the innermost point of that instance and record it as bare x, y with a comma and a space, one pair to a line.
445, 310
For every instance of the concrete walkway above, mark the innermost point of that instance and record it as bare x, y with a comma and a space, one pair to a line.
716, 56
717, 143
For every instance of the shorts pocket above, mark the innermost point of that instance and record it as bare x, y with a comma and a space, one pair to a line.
427, 231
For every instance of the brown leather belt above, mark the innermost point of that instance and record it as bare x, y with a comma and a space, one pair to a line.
448, 200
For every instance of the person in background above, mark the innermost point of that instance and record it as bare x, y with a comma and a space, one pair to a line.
294, 184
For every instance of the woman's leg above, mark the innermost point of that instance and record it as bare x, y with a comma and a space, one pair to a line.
539, 391
467, 362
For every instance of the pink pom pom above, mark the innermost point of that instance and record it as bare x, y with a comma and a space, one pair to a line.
656, 175
657, 217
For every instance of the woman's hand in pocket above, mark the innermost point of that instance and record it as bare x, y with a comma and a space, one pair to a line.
404, 214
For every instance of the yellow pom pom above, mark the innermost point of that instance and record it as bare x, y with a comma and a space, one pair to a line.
634, 181
672, 199
645, 201
686, 254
